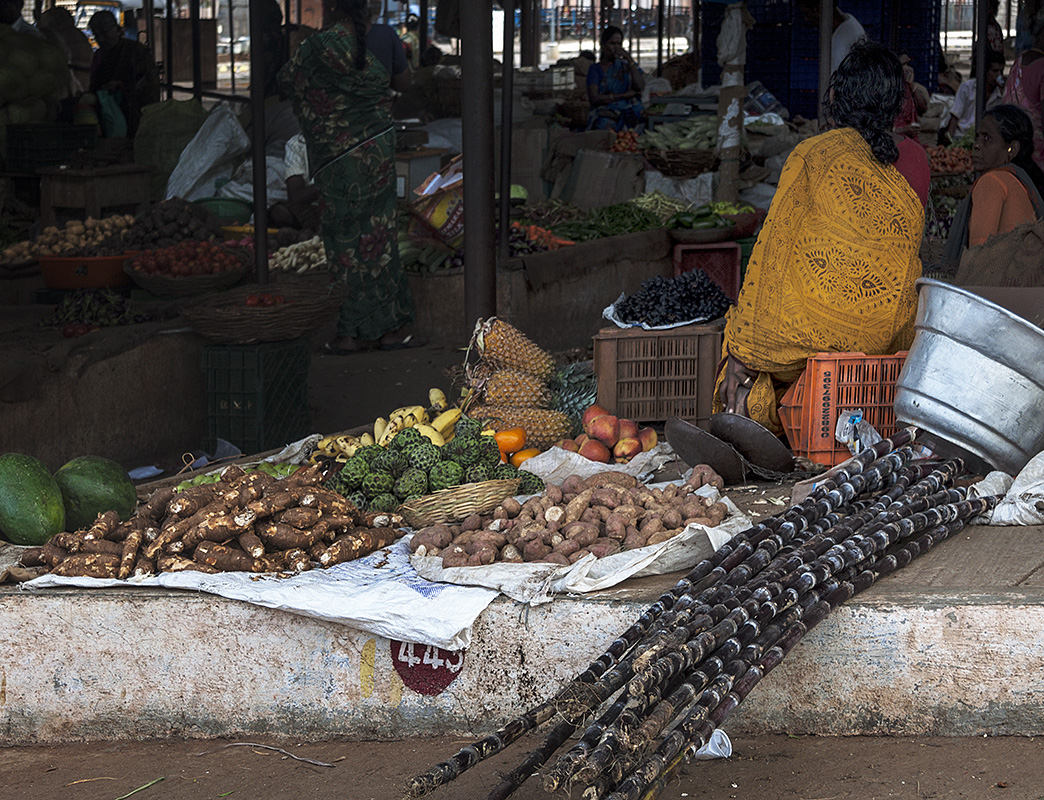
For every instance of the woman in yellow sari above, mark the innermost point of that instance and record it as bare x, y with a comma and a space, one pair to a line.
834, 266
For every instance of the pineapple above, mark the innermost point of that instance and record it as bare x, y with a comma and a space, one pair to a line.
512, 387
505, 346
543, 427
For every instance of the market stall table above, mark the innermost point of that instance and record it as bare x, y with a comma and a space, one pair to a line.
92, 190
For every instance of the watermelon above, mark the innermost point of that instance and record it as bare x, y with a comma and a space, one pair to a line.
31, 505
91, 485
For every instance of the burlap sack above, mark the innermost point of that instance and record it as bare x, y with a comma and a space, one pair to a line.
1013, 259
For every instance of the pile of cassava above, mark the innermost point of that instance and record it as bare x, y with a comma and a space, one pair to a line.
605, 514
252, 522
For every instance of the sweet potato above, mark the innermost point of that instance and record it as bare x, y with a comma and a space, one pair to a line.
566, 547
717, 513
634, 539
454, 556
554, 558
569, 497
601, 548
553, 493
664, 535
574, 557
578, 505
651, 526
593, 515
511, 554
427, 551
511, 507
611, 478
533, 506
532, 531
472, 522
672, 518
670, 491
605, 496
535, 550
616, 527
630, 513
437, 536
554, 514
485, 539
574, 529
482, 557
697, 521
574, 484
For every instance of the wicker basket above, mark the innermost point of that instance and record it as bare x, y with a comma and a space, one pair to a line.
190, 285
681, 163
452, 505
226, 318
704, 235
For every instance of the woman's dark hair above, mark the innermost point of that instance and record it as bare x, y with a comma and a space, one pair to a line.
866, 94
608, 33
1015, 125
358, 13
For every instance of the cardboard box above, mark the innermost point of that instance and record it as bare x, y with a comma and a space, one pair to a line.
600, 178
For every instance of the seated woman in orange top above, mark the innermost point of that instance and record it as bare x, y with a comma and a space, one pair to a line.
1007, 193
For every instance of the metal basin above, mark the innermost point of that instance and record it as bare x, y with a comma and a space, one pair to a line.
974, 377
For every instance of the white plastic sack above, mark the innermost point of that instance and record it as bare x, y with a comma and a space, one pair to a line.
241, 183
210, 155
697, 191
609, 313
536, 583
655, 85
554, 465
381, 594
1023, 502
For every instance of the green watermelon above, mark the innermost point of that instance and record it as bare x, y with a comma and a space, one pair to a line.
31, 507
91, 485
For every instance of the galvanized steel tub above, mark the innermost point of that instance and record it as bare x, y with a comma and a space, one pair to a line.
974, 376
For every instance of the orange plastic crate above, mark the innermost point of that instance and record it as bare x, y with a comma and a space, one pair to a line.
832, 382
649, 376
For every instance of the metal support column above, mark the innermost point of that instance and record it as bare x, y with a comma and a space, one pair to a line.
659, 36
232, 43
422, 28
480, 288
526, 25
979, 48
506, 107
826, 31
257, 141
197, 56
168, 49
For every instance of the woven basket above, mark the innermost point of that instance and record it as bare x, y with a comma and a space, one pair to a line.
226, 318
190, 285
681, 163
452, 505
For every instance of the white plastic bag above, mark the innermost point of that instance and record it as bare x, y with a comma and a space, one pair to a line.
211, 155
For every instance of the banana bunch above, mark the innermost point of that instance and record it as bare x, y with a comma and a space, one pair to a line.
340, 447
434, 421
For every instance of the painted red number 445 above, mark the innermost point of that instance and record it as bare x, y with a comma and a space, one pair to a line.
425, 668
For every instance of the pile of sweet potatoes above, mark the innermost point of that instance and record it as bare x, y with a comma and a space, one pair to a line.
253, 522
602, 515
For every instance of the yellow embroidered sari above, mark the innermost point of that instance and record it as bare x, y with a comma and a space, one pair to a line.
833, 268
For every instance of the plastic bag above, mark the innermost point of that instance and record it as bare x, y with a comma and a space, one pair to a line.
211, 155
1023, 502
165, 130
114, 124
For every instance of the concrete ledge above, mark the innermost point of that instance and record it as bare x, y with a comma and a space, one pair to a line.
119, 664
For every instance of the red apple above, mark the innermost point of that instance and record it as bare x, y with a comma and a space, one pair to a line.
592, 412
628, 429
648, 438
568, 444
605, 429
626, 449
595, 451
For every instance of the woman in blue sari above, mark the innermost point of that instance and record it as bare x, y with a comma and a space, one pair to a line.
614, 86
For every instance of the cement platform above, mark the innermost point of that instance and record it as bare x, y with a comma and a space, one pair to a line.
952, 645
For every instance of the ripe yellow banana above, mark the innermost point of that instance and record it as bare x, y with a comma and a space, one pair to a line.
346, 445
325, 445
433, 435
445, 421
366, 439
418, 411
437, 398
379, 425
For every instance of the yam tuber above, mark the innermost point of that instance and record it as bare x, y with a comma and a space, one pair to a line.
226, 559
89, 565
129, 556
156, 506
104, 526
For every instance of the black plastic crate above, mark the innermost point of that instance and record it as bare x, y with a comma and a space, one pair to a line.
35, 145
257, 395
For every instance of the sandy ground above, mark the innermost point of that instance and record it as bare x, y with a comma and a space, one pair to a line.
761, 768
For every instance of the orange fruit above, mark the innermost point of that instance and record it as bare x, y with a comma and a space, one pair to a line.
510, 440
519, 458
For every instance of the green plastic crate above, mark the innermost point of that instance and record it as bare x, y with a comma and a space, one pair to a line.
257, 395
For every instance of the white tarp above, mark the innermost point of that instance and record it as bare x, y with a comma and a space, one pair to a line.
380, 594
536, 583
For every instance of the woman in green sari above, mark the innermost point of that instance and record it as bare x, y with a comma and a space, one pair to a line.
341, 93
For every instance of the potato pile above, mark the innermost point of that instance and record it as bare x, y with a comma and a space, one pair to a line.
86, 239
170, 222
605, 514
251, 522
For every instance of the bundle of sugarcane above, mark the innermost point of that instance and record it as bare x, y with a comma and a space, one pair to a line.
646, 705
251, 522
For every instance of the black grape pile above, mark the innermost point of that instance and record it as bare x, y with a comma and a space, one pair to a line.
668, 301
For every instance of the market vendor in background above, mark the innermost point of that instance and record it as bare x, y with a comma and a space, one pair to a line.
614, 86
1008, 191
847, 29
915, 101
123, 67
834, 266
11, 14
1025, 86
59, 24
962, 115
340, 81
